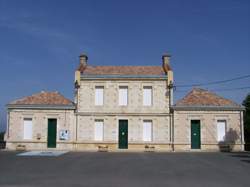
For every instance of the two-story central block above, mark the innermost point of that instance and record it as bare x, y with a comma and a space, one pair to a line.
123, 107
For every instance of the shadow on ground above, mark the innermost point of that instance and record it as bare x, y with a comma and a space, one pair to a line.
244, 156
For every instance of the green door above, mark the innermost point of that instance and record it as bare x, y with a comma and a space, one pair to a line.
195, 134
123, 134
51, 138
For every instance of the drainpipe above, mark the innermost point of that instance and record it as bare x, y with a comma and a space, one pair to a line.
76, 111
170, 88
8, 123
242, 131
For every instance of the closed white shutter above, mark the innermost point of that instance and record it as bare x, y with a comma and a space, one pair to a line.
123, 95
98, 130
147, 96
99, 95
147, 130
221, 130
27, 129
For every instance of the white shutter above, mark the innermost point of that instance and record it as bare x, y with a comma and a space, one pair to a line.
123, 96
221, 130
99, 95
147, 96
147, 130
98, 130
27, 129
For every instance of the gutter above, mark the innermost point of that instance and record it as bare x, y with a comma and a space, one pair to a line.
209, 108
161, 77
39, 106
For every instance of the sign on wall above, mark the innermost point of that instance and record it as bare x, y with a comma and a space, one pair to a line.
64, 134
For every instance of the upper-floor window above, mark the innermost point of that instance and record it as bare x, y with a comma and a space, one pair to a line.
147, 95
123, 95
99, 95
27, 129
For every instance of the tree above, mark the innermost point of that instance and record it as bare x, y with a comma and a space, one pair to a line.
246, 104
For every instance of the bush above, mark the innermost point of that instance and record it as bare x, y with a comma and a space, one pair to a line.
1, 136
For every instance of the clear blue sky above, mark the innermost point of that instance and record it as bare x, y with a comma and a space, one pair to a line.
40, 41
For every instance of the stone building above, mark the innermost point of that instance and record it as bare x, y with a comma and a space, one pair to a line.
206, 121
124, 108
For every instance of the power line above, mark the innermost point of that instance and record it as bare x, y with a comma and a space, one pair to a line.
214, 82
232, 89
222, 89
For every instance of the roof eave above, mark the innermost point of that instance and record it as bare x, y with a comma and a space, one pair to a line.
40, 106
209, 108
89, 76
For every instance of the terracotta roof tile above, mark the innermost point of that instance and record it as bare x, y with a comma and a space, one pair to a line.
123, 70
43, 98
201, 97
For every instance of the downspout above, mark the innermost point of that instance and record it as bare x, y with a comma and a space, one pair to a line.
8, 123
170, 116
170, 86
76, 112
242, 131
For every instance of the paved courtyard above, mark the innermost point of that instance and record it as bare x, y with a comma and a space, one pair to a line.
126, 169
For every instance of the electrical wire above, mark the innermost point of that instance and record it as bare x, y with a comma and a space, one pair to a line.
214, 82
222, 89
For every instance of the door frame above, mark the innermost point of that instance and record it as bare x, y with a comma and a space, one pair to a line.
190, 131
118, 130
48, 131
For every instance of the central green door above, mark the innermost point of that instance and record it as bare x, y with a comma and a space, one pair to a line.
123, 134
51, 138
195, 134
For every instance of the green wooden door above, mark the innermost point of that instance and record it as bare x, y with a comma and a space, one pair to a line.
195, 134
51, 138
123, 134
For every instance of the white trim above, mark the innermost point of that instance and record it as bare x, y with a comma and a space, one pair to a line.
123, 95
99, 130
27, 129
147, 96
221, 129
99, 95
147, 131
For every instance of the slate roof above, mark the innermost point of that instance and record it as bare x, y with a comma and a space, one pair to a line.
123, 70
198, 97
44, 98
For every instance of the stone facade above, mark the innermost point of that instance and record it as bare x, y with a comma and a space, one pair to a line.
170, 125
208, 129
14, 134
110, 112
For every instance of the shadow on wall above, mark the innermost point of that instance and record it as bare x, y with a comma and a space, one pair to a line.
229, 141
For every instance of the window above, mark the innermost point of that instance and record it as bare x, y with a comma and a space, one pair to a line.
99, 130
221, 130
99, 95
123, 95
147, 130
147, 95
27, 129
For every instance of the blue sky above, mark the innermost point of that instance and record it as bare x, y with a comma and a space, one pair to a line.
40, 42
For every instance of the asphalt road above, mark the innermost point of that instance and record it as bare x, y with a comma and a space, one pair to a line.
126, 169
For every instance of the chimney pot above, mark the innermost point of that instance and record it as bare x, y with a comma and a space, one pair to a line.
83, 59
166, 62
166, 58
